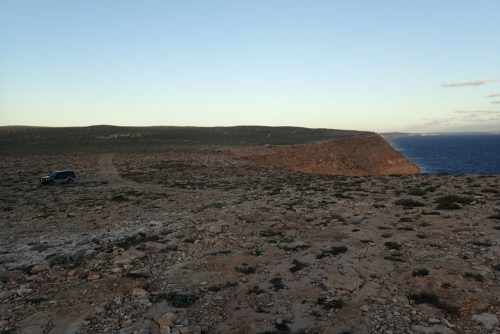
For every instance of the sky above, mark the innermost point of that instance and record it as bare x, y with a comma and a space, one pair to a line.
386, 65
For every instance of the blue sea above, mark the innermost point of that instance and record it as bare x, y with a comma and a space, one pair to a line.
452, 154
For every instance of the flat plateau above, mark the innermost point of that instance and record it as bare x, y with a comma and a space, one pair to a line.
196, 240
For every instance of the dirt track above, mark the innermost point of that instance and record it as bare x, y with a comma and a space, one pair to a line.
107, 170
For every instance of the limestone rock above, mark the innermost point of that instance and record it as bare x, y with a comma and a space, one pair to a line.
141, 272
24, 292
215, 228
436, 329
487, 320
138, 292
40, 268
166, 321
128, 257
153, 247
5, 294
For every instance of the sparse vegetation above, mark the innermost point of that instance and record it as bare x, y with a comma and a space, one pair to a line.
452, 202
482, 243
408, 203
256, 290
219, 287
420, 272
269, 217
334, 250
330, 304
395, 257
297, 265
245, 269
282, 326
120, 198
256, 252
270, 233
474, 276
68, 261
417, 192
277, 284
495, 216
392, 245
433, 300
181, 300
136, 240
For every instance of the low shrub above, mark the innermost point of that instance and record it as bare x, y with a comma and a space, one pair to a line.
277, 284
433, 300
297, 265
452, 202
334, 250
420, 272
408, 203
392, 245
330, 304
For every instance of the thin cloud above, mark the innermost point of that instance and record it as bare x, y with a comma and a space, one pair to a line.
468, 83
464, 121
478, 112
496, 102
494, 95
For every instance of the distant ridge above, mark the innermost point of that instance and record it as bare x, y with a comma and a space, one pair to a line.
110, 137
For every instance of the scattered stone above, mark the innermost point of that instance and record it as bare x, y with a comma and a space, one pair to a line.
215, 228
24, 292
447, 323
166, 321
40, 268
436, 329
128, 256
92, 276
99, 309
6, 294
138, 292
140, 273
487, 320
153, 247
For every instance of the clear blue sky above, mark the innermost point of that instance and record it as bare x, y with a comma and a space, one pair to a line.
382, 65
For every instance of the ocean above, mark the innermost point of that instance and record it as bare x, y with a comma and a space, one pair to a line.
451, 154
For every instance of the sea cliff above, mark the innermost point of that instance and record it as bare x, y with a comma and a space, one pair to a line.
356, 155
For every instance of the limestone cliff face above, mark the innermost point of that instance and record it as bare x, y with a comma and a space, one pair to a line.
359, 155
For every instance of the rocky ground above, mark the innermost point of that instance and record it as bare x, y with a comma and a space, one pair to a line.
194, 241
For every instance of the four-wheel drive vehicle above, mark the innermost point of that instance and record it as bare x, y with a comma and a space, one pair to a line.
62, 176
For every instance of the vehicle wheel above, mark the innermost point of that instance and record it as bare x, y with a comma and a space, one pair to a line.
51, 182
69, 181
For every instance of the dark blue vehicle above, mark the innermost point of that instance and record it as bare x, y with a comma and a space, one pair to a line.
62, 176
